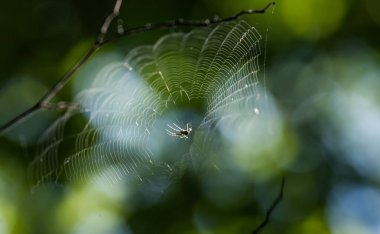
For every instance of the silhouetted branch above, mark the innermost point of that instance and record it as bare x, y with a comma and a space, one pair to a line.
271, 208
101, 40
44, 101
186, 23
61, 106
104, 29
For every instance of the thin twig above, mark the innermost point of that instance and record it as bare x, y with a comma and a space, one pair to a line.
271, 208
61, 106
186, 23
102, 40
104, 29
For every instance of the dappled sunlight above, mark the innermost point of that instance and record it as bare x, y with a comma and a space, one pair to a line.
312, 224
354, 208
258, 143
357, 131
191, 129
344, 100
336, 97
351, 106
319, 18
93, 208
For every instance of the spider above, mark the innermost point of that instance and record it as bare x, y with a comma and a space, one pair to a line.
178, 131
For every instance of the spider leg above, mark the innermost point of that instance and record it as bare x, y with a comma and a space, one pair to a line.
179, 128
173, 128
170, 133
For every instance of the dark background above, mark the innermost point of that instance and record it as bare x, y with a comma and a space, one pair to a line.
322, 68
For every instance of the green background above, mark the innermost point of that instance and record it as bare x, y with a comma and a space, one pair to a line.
321, 66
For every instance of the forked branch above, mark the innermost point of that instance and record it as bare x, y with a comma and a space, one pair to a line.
101, 39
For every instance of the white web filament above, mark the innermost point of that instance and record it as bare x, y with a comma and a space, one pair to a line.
208, 77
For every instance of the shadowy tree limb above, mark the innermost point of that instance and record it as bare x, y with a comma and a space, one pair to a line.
279, 197
186, 23
43, 103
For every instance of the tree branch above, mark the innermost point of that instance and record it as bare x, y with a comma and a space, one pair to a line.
271, 208
101, 40
43, 102
186, 23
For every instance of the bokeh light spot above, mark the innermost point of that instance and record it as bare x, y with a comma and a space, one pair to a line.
313, 19
354, 209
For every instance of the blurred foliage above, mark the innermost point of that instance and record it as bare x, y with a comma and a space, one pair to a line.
322, 66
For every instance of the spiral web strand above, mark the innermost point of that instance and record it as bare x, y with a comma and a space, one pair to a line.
207, 78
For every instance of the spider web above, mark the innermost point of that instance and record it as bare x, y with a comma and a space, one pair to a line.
207, 78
